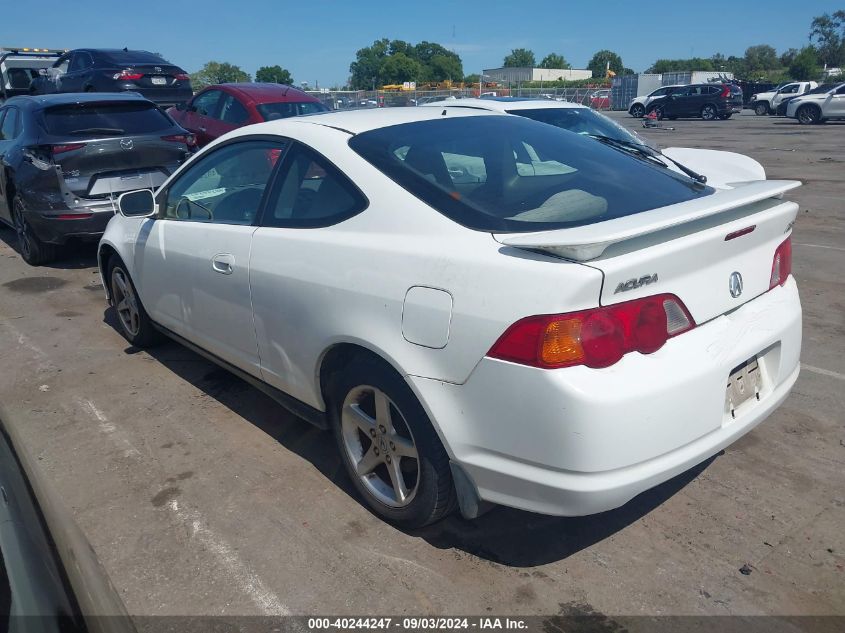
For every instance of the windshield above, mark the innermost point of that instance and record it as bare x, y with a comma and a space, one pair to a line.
580, 121
507, 173
104, 119
273, 111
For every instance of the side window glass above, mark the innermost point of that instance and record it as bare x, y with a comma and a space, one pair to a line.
311, 192
232, 111
9, 127
226, 186
206, 103
77, 63
840, 90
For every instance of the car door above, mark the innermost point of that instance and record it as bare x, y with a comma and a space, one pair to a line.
674, 102
74, 79
232, 114
290, 286
10, 129
836, 104
789, 90
201, 113
192, 262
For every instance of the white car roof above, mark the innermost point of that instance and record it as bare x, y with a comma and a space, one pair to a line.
503, 104
358, 121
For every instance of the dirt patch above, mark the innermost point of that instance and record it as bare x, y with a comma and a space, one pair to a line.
34, 285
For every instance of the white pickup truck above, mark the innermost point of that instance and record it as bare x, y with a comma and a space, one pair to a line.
767, 102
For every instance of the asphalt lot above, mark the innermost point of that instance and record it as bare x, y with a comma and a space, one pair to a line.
201, 496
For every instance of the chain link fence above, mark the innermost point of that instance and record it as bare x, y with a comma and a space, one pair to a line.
597, 98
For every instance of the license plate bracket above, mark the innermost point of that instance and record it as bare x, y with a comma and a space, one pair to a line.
744, 383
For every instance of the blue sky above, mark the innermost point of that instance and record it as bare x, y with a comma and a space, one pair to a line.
316, 39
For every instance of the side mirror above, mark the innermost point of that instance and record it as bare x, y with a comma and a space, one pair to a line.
137, 204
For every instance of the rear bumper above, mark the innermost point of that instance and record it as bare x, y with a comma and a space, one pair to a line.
89, 223
578, 441
162, 96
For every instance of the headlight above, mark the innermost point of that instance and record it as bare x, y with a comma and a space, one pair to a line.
753, 97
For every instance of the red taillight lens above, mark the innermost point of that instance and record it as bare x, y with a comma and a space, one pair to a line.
595, 338
188, 139
726, 91
782, 264
68, 147
127, 75
182, 77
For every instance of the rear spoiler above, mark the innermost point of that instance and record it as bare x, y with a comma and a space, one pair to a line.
583, 243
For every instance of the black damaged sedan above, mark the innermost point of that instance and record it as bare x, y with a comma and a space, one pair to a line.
67, 157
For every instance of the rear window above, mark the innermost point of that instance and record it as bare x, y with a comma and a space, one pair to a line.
132, 57
104, 119
510, 174
273, 111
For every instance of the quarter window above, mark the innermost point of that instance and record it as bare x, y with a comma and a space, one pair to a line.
10, 127
225, 186
311, 192
206, 103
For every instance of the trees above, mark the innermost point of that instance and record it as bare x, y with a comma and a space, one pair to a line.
397, 61
827, 32
761, 58
218, 73
805, 66
598, 64
273, 75
520, 58
553, 60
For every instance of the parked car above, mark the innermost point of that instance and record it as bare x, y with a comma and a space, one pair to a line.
767, 102
708, 101
116, 70
600, 100
67, 157
639, 105
223, 107
719, 167
50, 578
819, 105
464, 349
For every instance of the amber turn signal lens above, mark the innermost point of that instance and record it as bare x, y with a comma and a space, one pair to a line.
562, 343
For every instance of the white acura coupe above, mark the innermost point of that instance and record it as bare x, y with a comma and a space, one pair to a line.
483, 308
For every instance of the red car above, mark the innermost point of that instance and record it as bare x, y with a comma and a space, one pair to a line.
221, 108
600, 100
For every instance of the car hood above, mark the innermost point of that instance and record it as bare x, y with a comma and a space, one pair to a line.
721, 168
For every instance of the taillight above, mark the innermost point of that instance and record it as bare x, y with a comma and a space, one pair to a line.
596, 338
188, 139
127, 75
182, 76
726, 91
782, 264
67, 147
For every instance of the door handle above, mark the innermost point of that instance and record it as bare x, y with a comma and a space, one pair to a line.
202, 129
224, 263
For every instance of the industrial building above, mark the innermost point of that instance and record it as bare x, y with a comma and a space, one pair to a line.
513, 75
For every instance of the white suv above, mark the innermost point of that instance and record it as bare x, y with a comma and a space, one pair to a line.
817, 106
767, 102
639, 105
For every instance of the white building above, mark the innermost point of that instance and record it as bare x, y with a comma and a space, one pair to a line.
514, 75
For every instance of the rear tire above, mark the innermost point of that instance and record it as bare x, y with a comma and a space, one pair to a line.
761, 109
709, 112
808, 115
388, 446
637, 111
33, 251
133, 322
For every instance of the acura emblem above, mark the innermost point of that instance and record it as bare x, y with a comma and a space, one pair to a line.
735, 284
126, 143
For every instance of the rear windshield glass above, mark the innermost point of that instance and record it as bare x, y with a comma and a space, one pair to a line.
273, 111
104, 119
580, 121
133, 57
509, 174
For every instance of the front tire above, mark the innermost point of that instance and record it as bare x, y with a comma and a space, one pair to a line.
708, 112
637, 111
133, 322
761, 109
33, 251
808, 115
388, 445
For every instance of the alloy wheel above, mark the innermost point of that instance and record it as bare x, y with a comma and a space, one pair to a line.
708, 113
380, 446
807, 114
637, 111
125, 302
22, 230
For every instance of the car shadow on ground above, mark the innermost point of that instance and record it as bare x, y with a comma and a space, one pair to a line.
73, 256
504, 536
